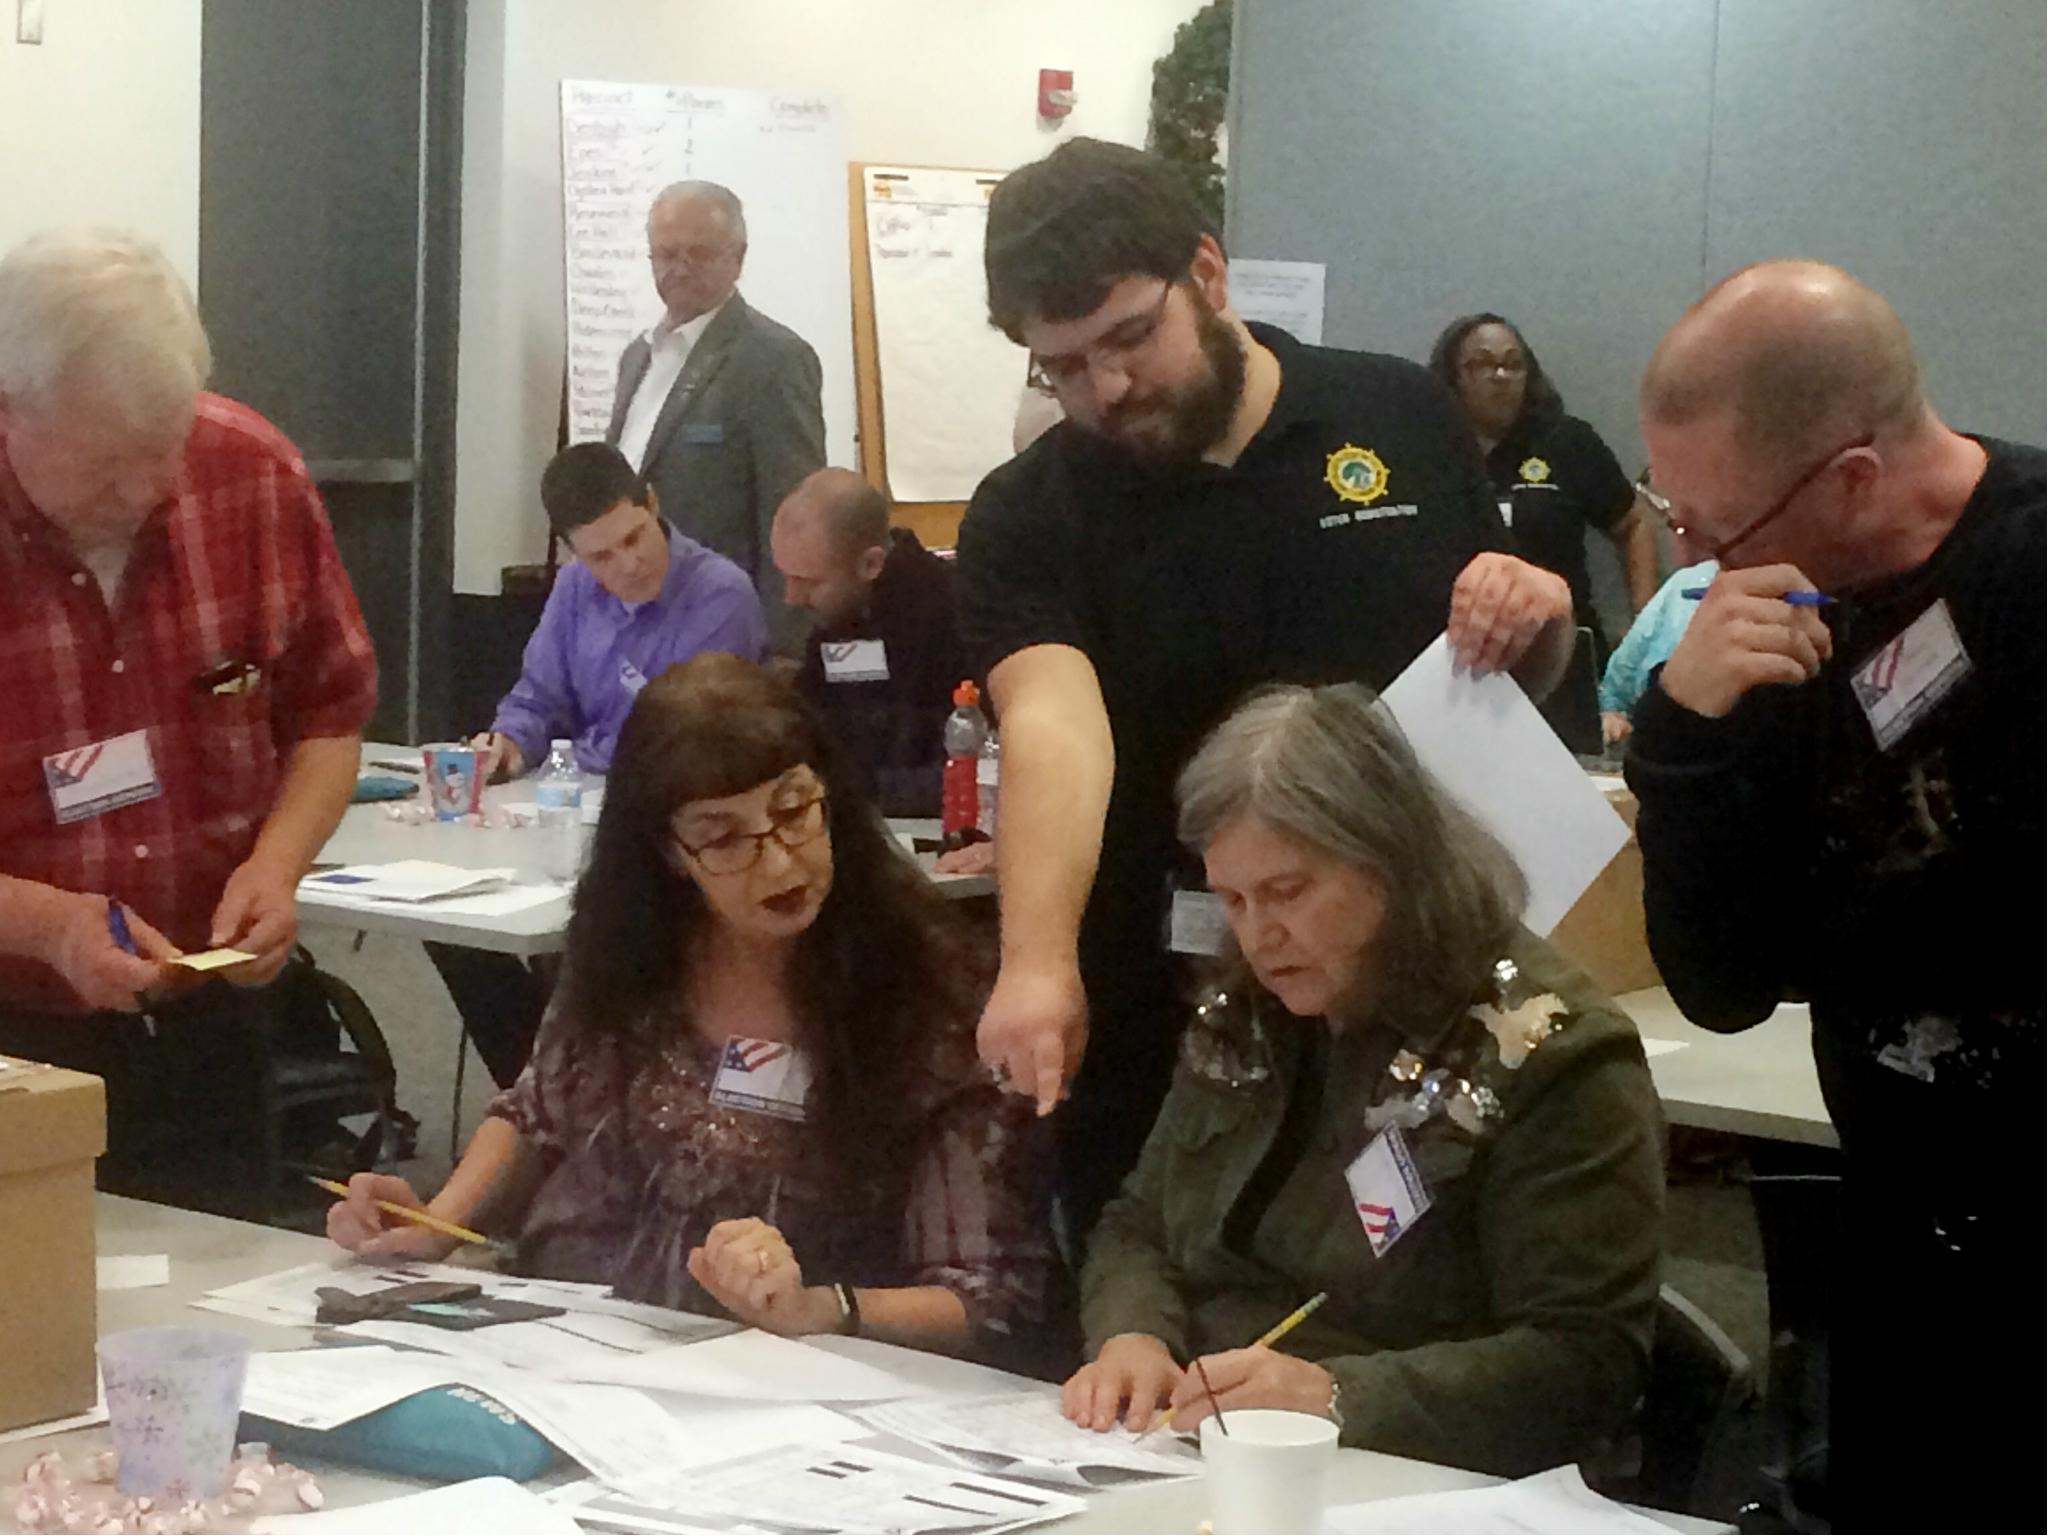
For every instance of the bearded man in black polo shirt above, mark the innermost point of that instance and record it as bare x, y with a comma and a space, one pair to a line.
1222, 507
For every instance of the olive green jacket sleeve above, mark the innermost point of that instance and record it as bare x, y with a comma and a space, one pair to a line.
1128, 1284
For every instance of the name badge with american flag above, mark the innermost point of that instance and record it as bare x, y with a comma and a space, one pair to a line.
764, 1077
1910, 674
100, 776
1386, 1190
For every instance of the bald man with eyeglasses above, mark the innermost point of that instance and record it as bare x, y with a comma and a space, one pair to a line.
1841, 787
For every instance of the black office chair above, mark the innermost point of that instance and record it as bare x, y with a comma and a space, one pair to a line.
314, 1086
1699, 1380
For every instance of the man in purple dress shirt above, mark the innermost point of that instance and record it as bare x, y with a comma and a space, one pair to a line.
639, 598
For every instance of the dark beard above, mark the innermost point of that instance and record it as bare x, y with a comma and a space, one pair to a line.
1198, 414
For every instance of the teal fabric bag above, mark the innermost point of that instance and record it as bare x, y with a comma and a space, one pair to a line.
443, 1434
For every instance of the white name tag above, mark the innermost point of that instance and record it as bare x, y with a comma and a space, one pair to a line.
855, 661
1386, 1191
1915, 671
765, 1077
1198, 926
87, 781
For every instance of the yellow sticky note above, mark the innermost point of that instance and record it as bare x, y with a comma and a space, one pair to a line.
212, 959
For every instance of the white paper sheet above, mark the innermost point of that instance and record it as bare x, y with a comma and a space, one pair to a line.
324, 1388
133, 1271
484, 1506
855, 1489
761, 1367
408, 880
1288, 294
605, 1508
1488, 746
1654, 1048
951, 382
1024, 1434
1558, 1500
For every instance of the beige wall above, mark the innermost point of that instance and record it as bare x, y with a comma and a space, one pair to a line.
99, 124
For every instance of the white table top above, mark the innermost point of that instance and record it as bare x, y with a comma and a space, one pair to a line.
207, 1252
369, 835
1761, 1082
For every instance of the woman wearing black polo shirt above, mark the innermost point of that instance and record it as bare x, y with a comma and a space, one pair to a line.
1554, 476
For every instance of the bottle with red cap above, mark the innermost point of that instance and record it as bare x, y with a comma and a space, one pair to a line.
966, 730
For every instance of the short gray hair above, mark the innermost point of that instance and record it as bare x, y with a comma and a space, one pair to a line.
724, 198
105, 312
1329, 766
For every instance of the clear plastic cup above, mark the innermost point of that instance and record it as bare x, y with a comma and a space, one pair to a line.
174, 1397
1269, 1472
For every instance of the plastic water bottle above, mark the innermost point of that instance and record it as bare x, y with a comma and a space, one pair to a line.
988, 773
559, 791
966, 730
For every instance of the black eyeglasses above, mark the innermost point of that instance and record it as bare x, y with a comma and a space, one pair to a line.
1661, 504
732, 853
1116, 351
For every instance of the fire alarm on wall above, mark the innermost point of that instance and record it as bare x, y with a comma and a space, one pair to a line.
1055, 93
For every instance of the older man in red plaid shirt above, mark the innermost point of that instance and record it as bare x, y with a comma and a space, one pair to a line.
187, 680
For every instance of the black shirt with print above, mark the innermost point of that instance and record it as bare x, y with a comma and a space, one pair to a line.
1897, 882
1327, 552
1555, 481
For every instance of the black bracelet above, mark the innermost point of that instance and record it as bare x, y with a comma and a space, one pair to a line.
849, 1308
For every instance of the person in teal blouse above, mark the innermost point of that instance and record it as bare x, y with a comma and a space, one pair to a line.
1649, 640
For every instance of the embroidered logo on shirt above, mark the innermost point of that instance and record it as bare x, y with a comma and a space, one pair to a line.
1534, 470
1356, 474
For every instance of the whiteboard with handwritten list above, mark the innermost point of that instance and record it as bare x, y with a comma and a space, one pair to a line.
784, 156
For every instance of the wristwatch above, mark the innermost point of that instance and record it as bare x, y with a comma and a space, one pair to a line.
1335, 1412
849, 1308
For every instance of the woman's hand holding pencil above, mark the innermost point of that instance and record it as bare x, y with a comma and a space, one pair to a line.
379, 1216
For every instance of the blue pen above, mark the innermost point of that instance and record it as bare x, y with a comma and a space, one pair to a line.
117, 928
1798, 599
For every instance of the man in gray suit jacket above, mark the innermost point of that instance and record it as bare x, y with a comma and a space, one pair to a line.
718, 406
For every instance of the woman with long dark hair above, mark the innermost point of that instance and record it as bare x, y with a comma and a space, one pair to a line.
757, 1088
1554, 476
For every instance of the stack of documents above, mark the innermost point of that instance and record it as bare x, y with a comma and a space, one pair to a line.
406, 880
626, 1439
601, 1339
1024, 1434
842, 1488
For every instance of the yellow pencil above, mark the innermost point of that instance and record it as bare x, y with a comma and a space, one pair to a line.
407, 1213
1272, 1335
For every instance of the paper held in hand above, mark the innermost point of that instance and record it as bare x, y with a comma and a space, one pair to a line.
1485, 742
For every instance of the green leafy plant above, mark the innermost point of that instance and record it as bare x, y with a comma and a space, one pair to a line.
1190, 88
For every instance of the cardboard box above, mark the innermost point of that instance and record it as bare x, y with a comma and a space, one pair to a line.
1604, 932
53, 1124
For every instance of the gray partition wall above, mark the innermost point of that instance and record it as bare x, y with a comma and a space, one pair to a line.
1588, 166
